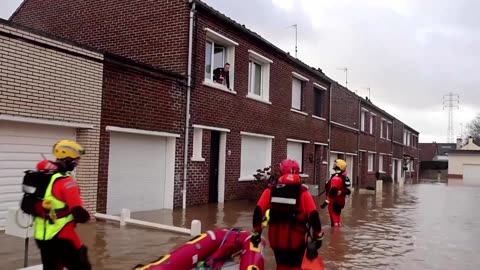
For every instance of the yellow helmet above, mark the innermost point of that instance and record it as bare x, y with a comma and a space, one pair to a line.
67, 149
340, 164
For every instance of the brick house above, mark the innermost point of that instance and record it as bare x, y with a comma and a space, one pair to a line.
49, 90
275, 106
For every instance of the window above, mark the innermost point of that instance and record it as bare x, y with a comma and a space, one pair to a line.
381, 163
297, 91
389, 131
297, 94
372, 123
295, 151
255, 78
385, 129
319, 100
258, 76
371, 160
363, 118
219, 60
256, 153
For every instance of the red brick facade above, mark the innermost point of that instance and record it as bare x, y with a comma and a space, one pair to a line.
130, 96
156, 33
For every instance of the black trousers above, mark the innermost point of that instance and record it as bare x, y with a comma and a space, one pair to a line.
61, 252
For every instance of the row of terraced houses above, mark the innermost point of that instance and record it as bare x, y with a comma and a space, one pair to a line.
130, 80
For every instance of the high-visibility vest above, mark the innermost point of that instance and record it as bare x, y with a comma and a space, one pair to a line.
46, 229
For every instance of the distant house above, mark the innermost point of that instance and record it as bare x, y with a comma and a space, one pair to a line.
464, 162
434, 160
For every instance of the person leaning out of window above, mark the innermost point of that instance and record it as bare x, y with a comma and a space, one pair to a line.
222, 74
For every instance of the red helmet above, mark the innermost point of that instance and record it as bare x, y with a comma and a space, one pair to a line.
289, 166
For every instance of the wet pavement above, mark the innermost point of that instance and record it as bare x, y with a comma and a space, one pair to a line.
421, 226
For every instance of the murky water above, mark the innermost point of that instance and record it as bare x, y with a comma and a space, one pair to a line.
422, 226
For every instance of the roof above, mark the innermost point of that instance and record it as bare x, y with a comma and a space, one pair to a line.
464, 152
317, 71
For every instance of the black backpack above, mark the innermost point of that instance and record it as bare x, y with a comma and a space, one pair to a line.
34, 186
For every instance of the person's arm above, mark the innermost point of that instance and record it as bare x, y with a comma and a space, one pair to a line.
311, 211
71, 195
262, 206
313, 218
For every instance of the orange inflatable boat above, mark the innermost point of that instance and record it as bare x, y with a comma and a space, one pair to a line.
214, 249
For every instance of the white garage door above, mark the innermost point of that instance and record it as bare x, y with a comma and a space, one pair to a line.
21, 146
136, 173
471, 174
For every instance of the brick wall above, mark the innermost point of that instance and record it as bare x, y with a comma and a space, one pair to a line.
141, 99
46, 79
239, 113
154, 32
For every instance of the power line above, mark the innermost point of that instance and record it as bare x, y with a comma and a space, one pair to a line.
451, 101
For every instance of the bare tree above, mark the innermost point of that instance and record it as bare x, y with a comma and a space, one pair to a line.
474, 129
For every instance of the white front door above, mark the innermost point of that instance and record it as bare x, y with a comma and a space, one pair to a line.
21, 147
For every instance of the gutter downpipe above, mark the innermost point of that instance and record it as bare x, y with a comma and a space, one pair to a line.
329, 133
187, 109
359, 154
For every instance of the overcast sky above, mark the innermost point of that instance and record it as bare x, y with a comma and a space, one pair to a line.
408, 52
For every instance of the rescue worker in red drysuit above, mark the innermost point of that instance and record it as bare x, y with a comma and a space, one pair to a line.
336, 189
290, 211
57, 240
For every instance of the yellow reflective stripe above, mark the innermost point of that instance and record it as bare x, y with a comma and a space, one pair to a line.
193, 241
161, 260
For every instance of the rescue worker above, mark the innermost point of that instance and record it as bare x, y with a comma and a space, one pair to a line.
60, 210
336, 189
291, 212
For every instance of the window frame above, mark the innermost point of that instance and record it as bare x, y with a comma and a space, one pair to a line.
323, 93
302, 163
372, 169
265, 69
229, 44
302, 79
268, 156
363, 120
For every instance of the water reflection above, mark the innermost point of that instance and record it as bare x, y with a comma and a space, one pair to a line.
421, 226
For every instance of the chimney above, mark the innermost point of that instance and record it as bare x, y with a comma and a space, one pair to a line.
459, 143
470, 140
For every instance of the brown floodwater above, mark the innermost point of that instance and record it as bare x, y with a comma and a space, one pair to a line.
418, 226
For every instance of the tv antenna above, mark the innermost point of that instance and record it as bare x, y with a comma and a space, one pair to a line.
346, 75
295, 26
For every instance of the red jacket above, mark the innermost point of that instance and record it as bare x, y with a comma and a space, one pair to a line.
336, 192
66, 190
306, 203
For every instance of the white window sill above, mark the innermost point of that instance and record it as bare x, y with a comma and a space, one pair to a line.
218, 86
382, 171
299, 112
304, 175
244, 179
326, 163
198, 159
319, 118
257, 98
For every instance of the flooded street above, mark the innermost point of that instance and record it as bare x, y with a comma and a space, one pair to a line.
422, 226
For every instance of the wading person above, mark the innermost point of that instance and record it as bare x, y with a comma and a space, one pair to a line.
291, 212
336, 189
60, 209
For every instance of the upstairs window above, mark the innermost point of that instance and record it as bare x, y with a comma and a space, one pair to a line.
319, 100
219, 60
297, 91
258, 76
